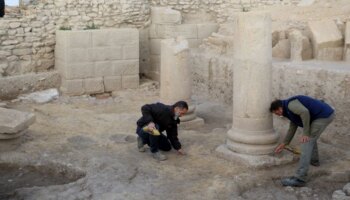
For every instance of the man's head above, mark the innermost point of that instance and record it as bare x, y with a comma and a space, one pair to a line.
180, 108
276, 107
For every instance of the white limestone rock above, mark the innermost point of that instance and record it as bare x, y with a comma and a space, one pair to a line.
14, 121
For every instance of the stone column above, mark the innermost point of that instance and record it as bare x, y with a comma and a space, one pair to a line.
252, 131
175, 79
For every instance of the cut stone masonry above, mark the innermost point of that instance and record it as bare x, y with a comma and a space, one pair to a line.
97, 61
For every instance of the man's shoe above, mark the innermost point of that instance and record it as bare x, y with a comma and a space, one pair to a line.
315, 163
158, 156
293, 181
140, 145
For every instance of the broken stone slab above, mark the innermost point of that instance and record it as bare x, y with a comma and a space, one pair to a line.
346, 189
6, 136
44, 96
300, 46
14, 121
325, 35
340, 195
162, 15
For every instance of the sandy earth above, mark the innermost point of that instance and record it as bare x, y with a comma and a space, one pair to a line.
91, 143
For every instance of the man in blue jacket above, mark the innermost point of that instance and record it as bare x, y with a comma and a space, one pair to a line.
155, 119
314, 116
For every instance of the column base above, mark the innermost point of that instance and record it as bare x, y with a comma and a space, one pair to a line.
255, 161
195, 123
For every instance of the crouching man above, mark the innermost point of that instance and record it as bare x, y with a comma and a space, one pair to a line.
155, 119
314, 116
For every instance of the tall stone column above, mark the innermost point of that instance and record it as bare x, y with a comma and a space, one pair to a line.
252, 130
175, 78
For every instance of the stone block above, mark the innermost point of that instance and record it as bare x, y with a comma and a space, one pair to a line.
131, 51
155, 63
93, 85
101, 38
347, 33
324, 34
60, 52
112, 83
103, 68
72, 87
194, 43
61, 39
155, 46
77, 56
22, 52
330, 53
153, 32
105, 53
77, 70
130, 82
162, 15
188, 31
205, 30
281, 49
80, 39
300, 46
126, 67
14, 121
347, 54
125, 36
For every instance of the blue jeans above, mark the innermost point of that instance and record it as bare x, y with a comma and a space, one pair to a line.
309, 150
155, 143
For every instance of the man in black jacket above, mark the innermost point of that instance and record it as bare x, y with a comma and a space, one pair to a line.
155, 119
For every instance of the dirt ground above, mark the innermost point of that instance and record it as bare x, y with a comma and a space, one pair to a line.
85, 148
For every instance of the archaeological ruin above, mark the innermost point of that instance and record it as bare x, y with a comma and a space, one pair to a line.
74, 75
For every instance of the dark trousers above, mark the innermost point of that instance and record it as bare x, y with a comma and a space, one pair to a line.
2, 8
156, 143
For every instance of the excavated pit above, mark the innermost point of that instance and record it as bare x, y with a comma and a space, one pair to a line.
15, 176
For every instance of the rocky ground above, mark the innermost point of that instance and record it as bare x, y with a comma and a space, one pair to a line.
85, 148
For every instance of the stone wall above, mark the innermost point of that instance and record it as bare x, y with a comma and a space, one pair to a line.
222, 9
97, 61
27, 37
330, 81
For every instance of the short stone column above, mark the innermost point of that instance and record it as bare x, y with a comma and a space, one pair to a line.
175, 79
252, 130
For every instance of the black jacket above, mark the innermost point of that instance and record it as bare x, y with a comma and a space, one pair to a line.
163, 116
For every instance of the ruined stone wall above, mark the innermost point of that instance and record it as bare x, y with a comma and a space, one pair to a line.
222, 9
27, 36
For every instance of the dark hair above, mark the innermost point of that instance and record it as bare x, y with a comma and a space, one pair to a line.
181, 105
275, 105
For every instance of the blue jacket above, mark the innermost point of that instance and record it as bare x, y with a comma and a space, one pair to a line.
317, 109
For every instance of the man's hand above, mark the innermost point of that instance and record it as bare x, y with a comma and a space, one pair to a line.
304, 138
279, 148
151, 126
181, 152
